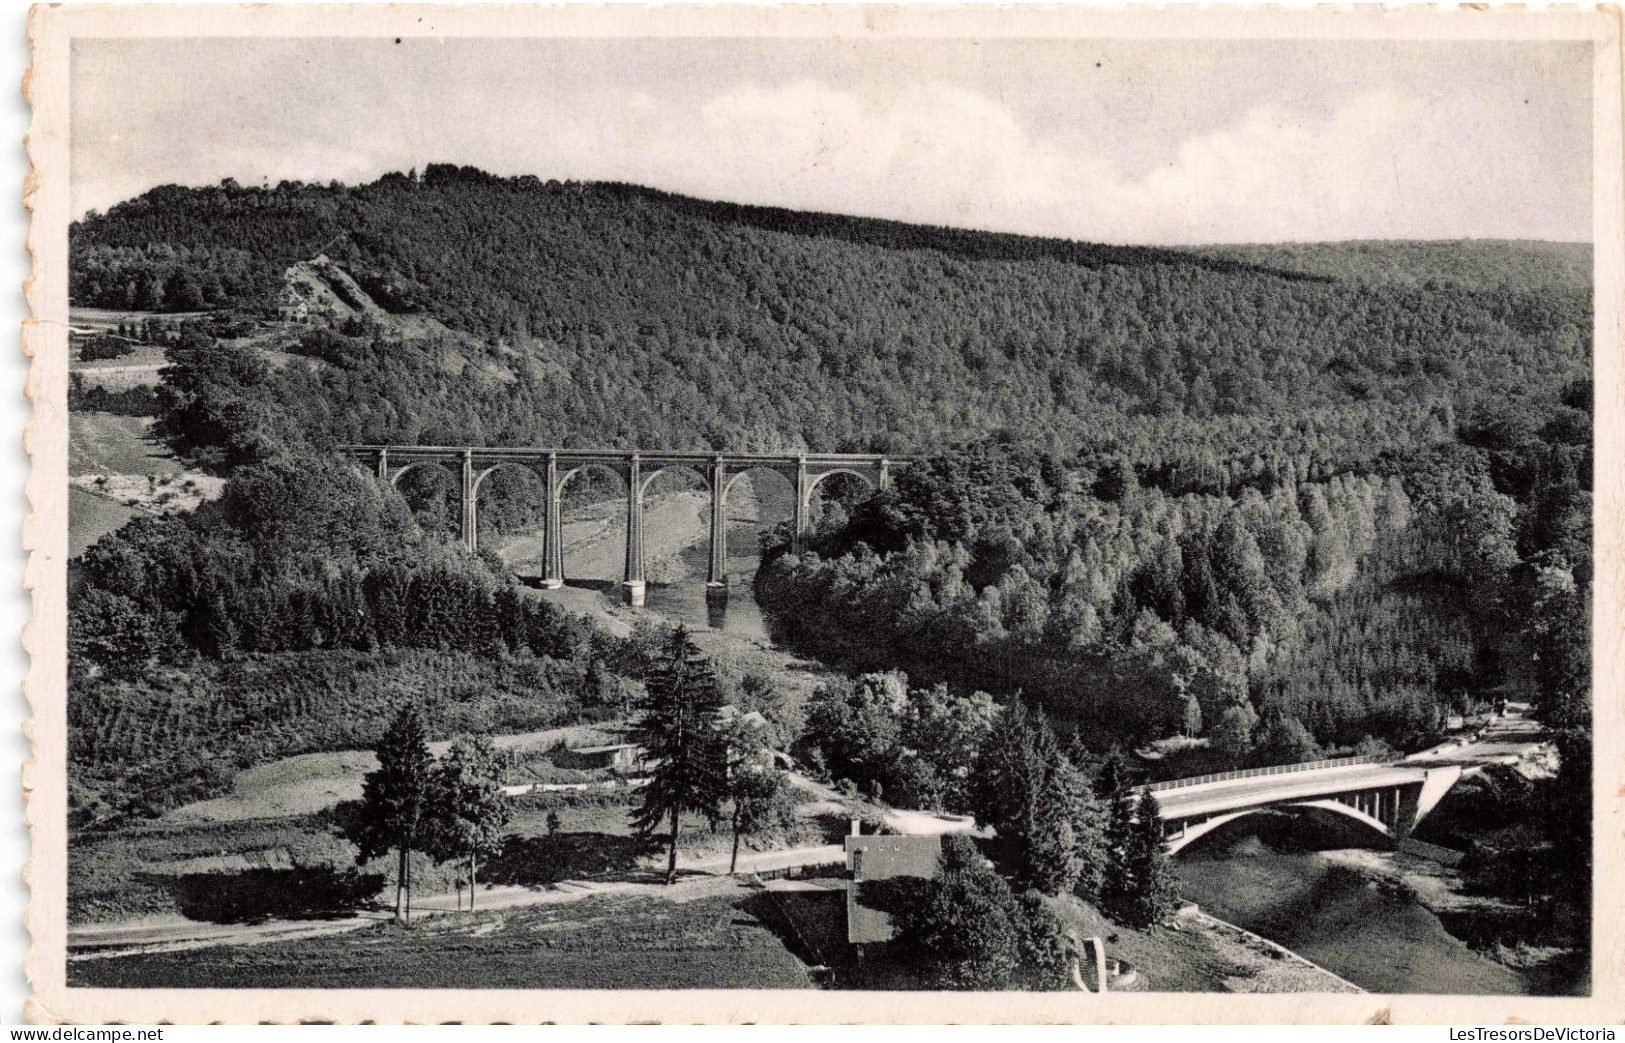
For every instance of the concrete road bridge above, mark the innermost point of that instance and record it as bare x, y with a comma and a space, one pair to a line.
1387, 797
469, 466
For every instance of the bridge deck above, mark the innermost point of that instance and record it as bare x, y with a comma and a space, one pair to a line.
1234, 794
435, 452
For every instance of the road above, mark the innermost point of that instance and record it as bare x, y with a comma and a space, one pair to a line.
1235, 793
916, 823
1512, 740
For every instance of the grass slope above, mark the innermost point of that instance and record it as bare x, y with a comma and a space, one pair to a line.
596, 943
1352, 923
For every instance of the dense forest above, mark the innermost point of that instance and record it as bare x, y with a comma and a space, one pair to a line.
612, 315
1265, 501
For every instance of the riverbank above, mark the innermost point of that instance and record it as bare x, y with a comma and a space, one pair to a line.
676, 528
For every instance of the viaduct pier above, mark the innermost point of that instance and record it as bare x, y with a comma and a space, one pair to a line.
471, 465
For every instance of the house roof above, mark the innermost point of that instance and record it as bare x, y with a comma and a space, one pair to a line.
605, 749
883, 858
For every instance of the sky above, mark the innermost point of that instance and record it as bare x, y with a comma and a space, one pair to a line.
1126, 141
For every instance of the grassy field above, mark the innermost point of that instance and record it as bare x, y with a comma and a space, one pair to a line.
90, 517
137, 369
168, 869
100, 319
596, 943
102, 443
116, 470
187, 865
1354, 923
308, 783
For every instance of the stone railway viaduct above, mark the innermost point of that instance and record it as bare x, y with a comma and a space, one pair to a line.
1387, 797
469, 466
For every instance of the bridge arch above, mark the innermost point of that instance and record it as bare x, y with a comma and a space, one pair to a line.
396, 474
1373, 830
871, 482
674, 470
521, 466
570, 473
606, 553
1337, 807
756, 469
841, 494
515, 506
780, 501
433, 491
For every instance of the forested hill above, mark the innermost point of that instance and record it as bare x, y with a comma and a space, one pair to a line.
609, 315
1473, 264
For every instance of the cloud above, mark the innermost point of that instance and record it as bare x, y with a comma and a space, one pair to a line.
1248, 147
1377, 165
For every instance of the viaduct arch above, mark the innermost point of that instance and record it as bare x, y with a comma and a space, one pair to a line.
470, 465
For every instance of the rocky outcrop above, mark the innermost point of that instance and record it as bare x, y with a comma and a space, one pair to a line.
319, 290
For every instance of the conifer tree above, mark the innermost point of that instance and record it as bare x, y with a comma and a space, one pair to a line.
682, 740
1118, 884
394, 801
1028, 792
1152, 896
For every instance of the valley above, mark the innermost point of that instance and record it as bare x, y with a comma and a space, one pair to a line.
1170, 514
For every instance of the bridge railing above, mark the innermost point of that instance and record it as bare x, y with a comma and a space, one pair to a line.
1279, 769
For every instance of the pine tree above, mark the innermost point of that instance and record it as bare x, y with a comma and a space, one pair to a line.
680, 737
1118, 884
1152, 897
1112, 775
1026, 790
394, 800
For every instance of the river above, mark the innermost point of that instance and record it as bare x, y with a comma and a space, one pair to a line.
676, 555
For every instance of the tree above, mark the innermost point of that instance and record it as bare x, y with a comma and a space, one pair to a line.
1152, 895
1285, 741
117, 634
757, 791
1111, 776
467, 807
856, 726
946, 732
1027, 790
970, 931
1118, 884
1233, 735
762, 800
680, 737
394, 799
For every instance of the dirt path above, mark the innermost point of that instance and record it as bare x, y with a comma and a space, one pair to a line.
913, 823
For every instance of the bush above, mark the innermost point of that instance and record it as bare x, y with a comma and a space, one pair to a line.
968, 930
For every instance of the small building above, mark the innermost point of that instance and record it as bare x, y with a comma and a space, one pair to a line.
623, 756
870, 859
